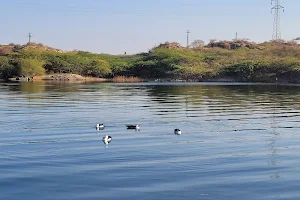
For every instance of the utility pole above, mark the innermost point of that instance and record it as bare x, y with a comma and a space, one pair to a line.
187, 38
29, 37
276, 26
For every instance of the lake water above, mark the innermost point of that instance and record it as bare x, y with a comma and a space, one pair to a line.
239, 141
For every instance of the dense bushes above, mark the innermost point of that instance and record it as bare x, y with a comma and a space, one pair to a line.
264, 70
96, 68
34, 62
82, 63
6, 69
239, 60
31, 67
162, 63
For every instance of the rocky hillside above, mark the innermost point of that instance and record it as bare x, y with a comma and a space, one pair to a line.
10, 48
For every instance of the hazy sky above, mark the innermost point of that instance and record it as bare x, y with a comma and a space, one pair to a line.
116, 26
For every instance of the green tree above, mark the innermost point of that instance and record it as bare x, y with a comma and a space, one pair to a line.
96, 68
31, 67
6, 68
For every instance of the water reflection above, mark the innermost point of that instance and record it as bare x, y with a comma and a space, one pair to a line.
41, 86
31, 88
190, 93
274, 137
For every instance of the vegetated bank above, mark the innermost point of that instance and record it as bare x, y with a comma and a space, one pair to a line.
238, 60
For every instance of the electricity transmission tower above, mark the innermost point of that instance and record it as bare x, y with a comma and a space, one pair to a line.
187, 38
29, 37
276, 26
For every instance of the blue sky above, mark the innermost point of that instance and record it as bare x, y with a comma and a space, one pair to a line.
116, 26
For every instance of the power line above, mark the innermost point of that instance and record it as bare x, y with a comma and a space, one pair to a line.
276, 25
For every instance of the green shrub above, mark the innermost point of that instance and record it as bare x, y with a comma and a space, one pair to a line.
31, 67
96, 68
6, 69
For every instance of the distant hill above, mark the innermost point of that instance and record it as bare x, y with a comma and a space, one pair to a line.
10, 48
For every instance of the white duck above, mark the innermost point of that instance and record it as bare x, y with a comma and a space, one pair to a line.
106, 139
100, 126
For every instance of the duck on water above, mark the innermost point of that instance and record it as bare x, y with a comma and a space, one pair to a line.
100, 126
106, 139
177, 131
133, 126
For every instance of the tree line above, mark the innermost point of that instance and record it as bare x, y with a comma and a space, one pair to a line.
238, 59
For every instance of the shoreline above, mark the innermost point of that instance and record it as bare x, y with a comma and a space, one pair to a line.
74, 78
58, 78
